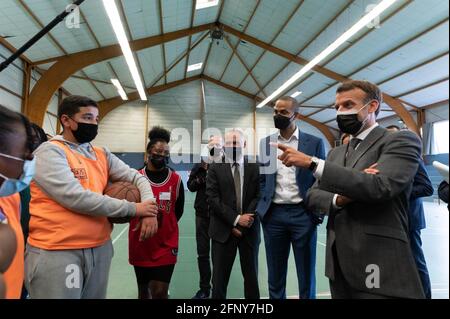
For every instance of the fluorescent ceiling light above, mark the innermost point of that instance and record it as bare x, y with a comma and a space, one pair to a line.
296, 94
194, 67
120, 89
116, 23
202, 4
336, 44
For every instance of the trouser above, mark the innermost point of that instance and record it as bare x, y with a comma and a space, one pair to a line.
68, 274
203, 251
416, 247
288, 225
223, 255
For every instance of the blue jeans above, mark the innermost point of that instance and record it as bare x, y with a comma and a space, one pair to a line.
286, 225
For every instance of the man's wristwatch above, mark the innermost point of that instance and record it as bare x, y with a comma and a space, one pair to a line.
314, 164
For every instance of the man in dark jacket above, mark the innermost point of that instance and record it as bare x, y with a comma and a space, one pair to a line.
197, 183
443, 192
232, 187
422, 187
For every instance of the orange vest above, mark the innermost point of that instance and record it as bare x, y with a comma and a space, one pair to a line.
14, 275
54, 227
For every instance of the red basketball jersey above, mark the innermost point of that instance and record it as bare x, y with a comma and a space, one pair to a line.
162, 248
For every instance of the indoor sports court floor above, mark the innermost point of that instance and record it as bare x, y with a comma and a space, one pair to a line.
185, 279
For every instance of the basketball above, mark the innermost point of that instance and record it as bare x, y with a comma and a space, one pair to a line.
123, 190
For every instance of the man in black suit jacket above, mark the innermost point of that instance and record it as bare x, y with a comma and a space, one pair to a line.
422, 187
368, 253
232, 188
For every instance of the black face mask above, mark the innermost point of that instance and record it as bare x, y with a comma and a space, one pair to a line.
282, 122
349, 123
159, 162
233, 153
85, 132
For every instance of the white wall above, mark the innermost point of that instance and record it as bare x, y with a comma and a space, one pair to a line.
123, 130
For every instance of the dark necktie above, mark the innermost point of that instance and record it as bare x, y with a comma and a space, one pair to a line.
237, 186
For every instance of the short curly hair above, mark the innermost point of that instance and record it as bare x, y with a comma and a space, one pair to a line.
157, 134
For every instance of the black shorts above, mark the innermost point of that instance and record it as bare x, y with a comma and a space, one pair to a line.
161, 273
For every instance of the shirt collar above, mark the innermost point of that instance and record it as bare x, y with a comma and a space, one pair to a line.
363, 135
295, 135
240, 162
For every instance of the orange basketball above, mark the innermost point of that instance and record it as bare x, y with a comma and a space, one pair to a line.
123, 190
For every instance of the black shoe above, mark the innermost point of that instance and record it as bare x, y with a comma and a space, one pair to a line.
201, 294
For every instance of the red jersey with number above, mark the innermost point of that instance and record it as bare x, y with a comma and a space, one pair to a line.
162, 248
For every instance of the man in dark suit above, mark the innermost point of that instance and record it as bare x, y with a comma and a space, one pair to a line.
368, 253
232, 188
281, 208
422, 187
197, 183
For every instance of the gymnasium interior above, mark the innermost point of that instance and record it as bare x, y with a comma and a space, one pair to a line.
197, 67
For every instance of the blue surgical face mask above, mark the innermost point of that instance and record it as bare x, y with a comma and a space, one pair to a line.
11, 186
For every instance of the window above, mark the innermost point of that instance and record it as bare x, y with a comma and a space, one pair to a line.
440, 138
202, 4
194, 67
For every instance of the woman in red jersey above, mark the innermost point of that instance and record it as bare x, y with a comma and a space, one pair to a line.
154, 259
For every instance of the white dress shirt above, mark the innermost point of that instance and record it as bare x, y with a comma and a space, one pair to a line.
286, 188
321, 166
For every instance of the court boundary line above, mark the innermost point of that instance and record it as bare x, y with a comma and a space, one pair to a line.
120, 234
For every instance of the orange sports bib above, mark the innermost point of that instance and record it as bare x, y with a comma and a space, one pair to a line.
10, 206
54, 227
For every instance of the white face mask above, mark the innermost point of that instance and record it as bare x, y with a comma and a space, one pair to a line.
11, 186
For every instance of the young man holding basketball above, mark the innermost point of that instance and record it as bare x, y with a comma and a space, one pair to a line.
69, 249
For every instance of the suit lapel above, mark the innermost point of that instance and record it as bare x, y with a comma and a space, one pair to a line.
341, 152
227, 172
365, 145
303, 141
246, 172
